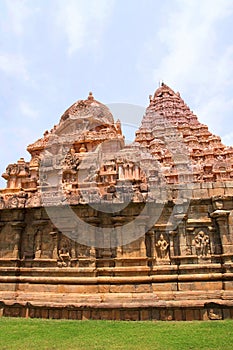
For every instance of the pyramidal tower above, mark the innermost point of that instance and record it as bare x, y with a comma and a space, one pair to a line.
93, 228
170, 131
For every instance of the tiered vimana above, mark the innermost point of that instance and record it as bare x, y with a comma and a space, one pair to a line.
93, 228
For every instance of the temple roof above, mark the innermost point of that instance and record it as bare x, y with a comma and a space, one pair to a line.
171, 146
90, 112
170, 120
88, 107
164, 90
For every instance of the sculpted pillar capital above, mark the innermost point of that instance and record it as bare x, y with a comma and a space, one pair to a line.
219, 213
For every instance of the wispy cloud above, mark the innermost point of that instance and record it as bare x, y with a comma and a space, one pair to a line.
190, 39
18, 12
83, 22
27, 110
228, 139
14, 65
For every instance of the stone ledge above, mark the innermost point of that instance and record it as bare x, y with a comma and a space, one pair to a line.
207, 310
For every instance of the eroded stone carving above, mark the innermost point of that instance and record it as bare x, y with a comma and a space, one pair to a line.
64, 256
202, 244
162, 247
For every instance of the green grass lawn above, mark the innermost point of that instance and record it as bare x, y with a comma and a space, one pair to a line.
16, 333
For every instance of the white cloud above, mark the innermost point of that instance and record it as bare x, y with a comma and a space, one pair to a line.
228, 139
189, 37
13, 65
27, 110
83, 22
215, 112
18, 12
196, 58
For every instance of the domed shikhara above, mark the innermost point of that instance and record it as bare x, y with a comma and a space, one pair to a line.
85, 116
85, 121
89, 108
86, 130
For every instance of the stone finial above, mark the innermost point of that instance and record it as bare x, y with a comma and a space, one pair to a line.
118, 127
90, 96
21, 161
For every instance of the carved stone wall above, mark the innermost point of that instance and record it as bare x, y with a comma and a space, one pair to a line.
180, 268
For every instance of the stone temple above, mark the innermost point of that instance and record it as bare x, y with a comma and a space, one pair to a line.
92, 228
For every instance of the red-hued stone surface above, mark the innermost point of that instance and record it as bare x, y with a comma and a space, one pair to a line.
174, 183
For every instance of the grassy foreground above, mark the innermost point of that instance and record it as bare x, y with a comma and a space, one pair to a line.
16, 333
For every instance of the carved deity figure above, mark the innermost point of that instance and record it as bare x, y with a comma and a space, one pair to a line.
64, 255
162, 246
202, 242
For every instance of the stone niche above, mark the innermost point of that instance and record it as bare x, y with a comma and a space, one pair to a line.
91, 228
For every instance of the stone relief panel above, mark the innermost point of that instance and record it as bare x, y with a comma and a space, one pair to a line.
162, 246
9, 241
35, 242
64, 252
201, 243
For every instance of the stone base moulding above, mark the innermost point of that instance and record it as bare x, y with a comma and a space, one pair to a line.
210, 311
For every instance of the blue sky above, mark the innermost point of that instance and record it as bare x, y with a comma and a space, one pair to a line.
53, 52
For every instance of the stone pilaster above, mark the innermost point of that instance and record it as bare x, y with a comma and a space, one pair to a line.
17, 228
172, 235
221, 218
73, 249
121, 172
119, 240
54, 235
181, 228
141, 233
39, 226
151, 239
